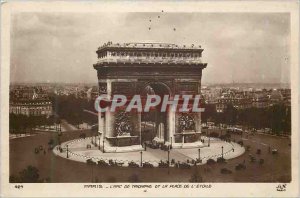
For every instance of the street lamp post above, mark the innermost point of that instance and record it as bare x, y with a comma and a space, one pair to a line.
99, 143
199, 154
103, 146
169, 157
67, 151
222, 152
169, 161
141, 158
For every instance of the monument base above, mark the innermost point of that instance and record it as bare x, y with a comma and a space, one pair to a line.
123, 149
197, 144
123, 141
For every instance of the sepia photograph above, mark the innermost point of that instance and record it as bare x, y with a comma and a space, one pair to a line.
156, 99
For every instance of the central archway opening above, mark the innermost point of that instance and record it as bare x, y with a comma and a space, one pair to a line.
154, 124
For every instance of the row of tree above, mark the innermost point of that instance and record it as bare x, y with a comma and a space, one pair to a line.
69, 108
72, 109
19, 123
28, 175
276, 117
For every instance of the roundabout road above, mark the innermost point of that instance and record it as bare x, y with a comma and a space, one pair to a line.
277, 168
77, 150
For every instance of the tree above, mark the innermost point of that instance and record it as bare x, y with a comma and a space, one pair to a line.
209, 113
278, 116
230, 115
14, 125
57, 123
14, 179
29, 175
50, 121
71, 109
43, 120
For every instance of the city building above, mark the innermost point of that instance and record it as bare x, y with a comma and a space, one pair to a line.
239, 100
30, 101
261, 100
31, 107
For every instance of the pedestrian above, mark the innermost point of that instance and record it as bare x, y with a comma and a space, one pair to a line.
44, 152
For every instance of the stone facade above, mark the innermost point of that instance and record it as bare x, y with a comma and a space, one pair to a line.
31, 107
131, 68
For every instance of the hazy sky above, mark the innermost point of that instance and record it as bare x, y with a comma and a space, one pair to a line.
60, 47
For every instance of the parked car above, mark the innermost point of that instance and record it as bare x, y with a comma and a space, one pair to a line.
221, 160
114, 163
133, 165
90, 162
210, 162
102, 163
184, 165
162, 164
147, 165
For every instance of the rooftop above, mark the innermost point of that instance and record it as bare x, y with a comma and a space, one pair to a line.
148, 54
148, 45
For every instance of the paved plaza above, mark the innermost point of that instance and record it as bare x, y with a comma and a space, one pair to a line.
78, 151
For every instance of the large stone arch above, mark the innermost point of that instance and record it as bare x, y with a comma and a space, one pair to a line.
130, 75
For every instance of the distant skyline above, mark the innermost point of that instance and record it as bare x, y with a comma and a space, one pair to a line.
238, 47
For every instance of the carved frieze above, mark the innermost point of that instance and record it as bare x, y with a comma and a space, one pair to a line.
190, 88
124, 88
186, 122
102, 88
123, 124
